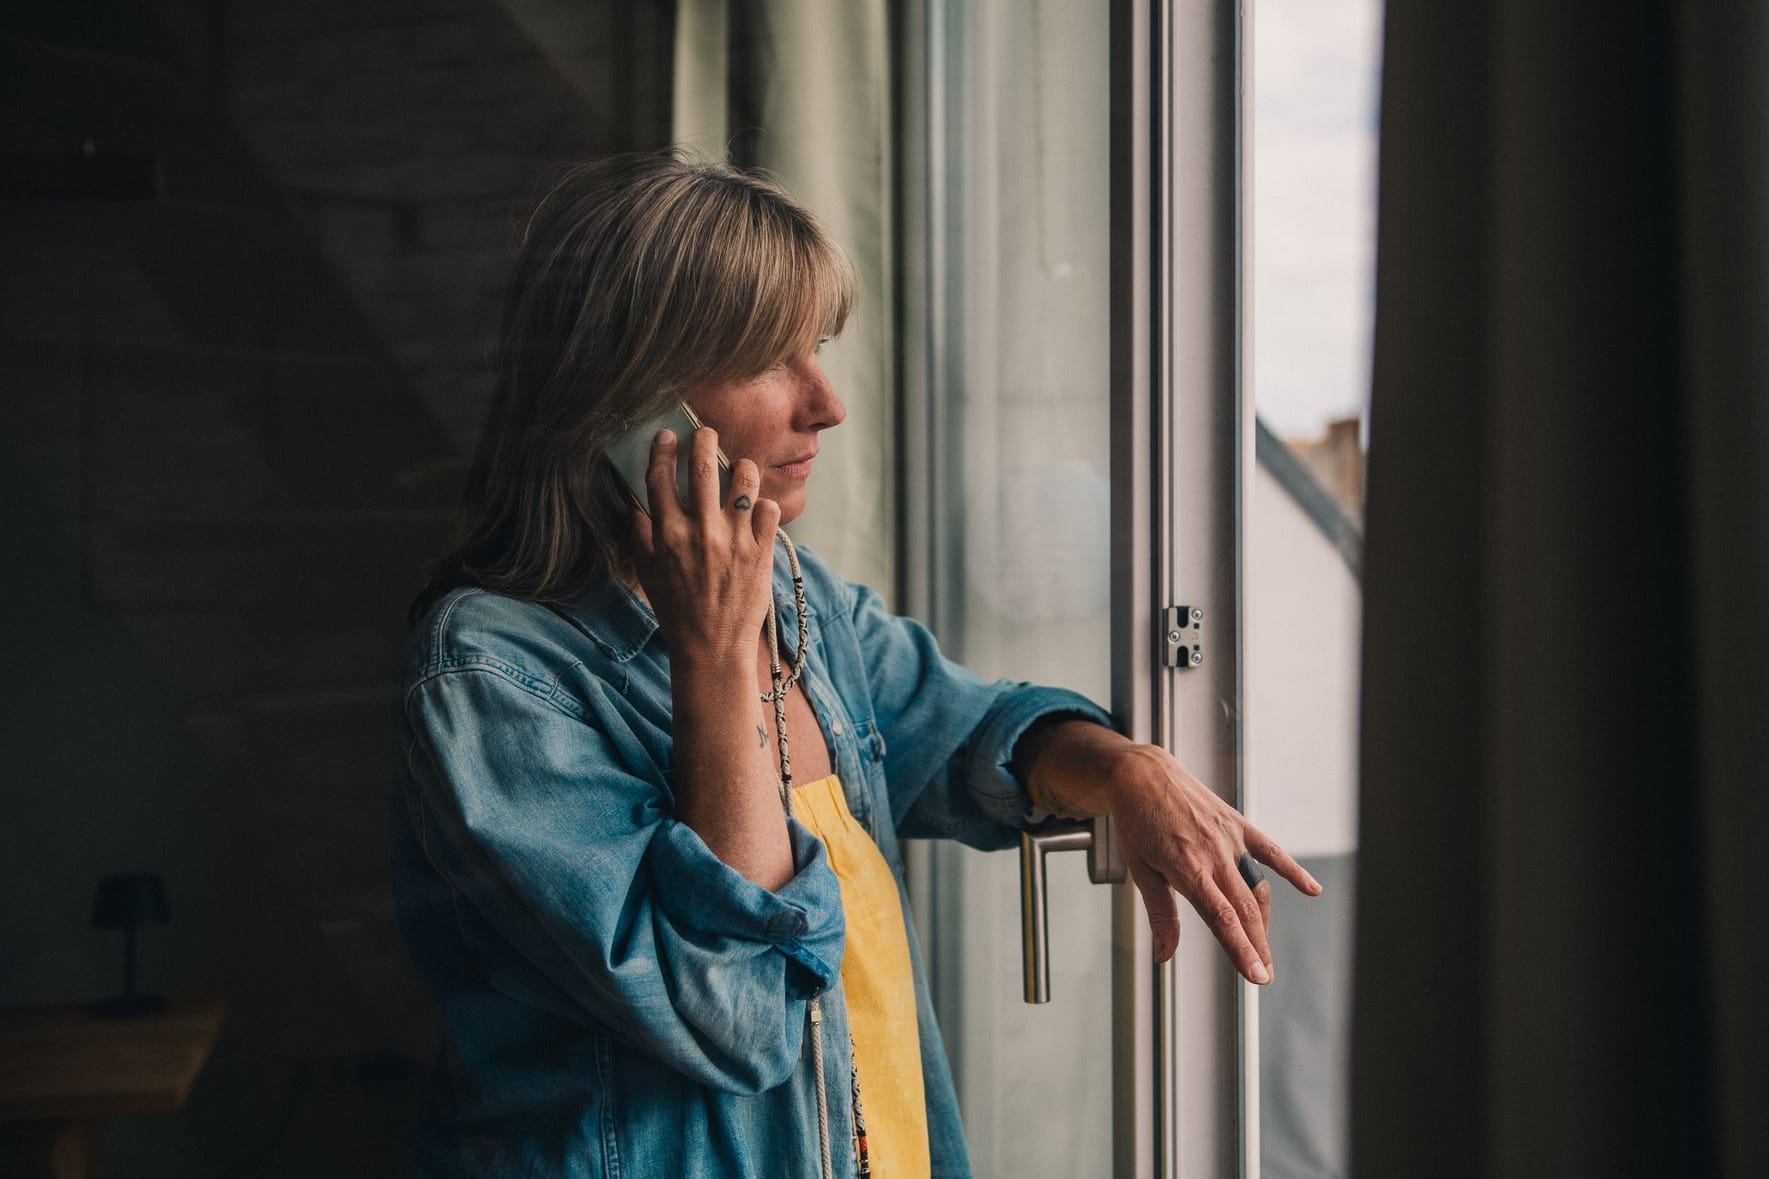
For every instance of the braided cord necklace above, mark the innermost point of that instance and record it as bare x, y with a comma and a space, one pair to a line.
783, 682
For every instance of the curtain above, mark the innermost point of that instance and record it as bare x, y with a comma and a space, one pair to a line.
1006, 376
1564, 754
801, 89
1002, 408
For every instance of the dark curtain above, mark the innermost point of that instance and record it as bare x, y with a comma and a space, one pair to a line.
1566, 681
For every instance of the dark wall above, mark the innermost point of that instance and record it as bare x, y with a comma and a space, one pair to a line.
248, 263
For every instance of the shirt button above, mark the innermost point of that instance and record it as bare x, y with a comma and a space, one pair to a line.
836, 728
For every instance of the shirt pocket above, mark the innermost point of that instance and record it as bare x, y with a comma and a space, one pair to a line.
869, 749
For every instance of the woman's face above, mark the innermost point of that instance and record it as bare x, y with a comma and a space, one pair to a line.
774, 420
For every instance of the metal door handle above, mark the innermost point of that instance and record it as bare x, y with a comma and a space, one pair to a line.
1105, 865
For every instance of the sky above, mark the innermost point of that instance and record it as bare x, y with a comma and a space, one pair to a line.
1315, 73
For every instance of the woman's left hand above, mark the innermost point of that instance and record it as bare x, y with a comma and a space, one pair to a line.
1178, 836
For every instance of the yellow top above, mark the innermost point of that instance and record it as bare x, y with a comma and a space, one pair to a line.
878, 982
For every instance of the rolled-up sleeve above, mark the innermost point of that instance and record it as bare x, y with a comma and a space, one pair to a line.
596, 893
948, 735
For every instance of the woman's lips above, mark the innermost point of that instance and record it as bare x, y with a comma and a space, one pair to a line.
798, 468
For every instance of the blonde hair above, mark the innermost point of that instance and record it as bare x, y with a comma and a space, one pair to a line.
637, 280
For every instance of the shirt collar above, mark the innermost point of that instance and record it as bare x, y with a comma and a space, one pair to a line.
614, 617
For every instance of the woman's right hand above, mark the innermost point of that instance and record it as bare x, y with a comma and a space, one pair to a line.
707, 567
708, 570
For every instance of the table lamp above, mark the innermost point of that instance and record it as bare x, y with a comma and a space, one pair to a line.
127, 901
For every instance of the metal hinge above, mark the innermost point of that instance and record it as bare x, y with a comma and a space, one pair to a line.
1182, 634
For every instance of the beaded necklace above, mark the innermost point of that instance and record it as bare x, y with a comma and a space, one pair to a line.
783, 683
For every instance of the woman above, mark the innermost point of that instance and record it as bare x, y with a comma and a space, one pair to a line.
657, 762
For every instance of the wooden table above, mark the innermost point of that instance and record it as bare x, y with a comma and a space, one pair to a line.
63, 1070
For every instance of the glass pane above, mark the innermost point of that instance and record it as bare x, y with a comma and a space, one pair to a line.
1015, 302
1313, 140
251, 374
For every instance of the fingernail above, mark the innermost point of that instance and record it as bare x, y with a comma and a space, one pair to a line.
1260, 974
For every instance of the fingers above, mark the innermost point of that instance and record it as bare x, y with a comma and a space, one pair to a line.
1229, 921
746, 486
1163, 912
1255, 880
663, 488
660, 480
762, 516
1278, 860
1239, 917
1255, 915
766, 520
1262, 894
703, 473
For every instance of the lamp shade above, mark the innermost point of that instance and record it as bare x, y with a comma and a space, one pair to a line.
130, 899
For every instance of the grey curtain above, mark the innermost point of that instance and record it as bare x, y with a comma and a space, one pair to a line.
1566, 690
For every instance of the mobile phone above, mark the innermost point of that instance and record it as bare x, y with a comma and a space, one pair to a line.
630, 455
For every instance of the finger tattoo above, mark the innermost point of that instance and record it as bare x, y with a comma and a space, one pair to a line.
761, 737
743, 503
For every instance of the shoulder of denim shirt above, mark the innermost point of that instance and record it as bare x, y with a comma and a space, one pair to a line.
826, 591
534, 643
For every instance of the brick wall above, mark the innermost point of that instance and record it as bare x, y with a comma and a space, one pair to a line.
410, 135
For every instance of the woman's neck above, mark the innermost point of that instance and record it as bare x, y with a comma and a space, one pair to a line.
626, 576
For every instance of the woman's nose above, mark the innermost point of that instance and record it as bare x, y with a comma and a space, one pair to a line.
819, 406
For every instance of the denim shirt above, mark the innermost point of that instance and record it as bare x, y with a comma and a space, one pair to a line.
619, 1002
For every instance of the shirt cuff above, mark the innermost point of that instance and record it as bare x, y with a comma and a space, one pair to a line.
698, 891
1001, 795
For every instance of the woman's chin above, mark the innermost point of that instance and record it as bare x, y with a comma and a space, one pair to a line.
792, 505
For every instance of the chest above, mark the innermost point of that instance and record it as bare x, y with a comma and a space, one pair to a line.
805, 743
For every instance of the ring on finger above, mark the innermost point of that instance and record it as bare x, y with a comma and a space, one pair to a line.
1250, 870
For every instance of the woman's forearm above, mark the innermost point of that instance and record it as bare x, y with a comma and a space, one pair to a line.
726, 788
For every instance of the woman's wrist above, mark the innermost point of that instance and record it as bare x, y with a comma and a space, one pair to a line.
1077, 768
725, 784
708, 668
